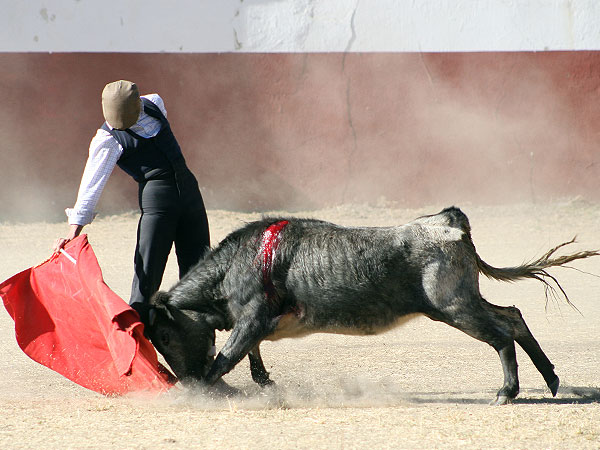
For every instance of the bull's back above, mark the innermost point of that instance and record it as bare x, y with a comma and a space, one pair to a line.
365, 280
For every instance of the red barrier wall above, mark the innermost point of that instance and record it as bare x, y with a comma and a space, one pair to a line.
295, 131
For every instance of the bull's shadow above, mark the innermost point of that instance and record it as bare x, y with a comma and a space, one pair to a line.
360, 393
567, 395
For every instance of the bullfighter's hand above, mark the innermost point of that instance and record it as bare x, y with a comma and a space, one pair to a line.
74, 231
59, 244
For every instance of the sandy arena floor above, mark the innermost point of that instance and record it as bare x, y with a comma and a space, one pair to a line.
424, 385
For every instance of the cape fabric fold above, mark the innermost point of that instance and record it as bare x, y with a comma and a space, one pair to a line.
69, 320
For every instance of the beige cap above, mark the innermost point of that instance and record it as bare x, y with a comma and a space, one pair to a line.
121, 104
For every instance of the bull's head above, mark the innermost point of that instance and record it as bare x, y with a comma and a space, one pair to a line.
185, 338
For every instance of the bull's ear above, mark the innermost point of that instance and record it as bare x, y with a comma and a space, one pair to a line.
216, 321
160, 298
159, 303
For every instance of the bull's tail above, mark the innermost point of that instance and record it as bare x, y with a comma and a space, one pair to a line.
536, 269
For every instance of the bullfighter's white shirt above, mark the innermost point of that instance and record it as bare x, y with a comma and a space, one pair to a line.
104, 153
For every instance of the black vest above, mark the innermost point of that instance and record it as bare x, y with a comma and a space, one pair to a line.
158, 157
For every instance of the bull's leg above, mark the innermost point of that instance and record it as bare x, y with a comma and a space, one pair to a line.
476, 319
510, 388
257, 368
250, 329
525, 339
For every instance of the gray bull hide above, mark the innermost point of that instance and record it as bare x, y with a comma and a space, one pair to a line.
278, 278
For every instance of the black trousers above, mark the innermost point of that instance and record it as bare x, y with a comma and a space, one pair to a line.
171, 213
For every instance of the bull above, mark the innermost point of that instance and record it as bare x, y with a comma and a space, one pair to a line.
286, 278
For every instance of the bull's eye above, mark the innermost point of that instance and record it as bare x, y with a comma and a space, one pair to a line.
164, 339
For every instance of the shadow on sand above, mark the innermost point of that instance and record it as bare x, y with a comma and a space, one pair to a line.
567, 395
360, 393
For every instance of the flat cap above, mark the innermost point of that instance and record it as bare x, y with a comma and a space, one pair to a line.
121, 104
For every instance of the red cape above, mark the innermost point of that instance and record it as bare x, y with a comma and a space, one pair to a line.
69, 320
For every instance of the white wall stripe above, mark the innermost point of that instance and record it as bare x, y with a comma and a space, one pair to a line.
199, 26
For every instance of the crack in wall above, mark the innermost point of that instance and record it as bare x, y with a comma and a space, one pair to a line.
236, 42
354, 144
352, 35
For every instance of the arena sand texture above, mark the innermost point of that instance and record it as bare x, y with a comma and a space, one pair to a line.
424, 385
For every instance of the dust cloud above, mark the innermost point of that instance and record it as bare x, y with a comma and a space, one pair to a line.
343, 392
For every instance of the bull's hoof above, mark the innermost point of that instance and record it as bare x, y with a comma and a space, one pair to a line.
265, 383
221, 388
502, 400
554, 386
